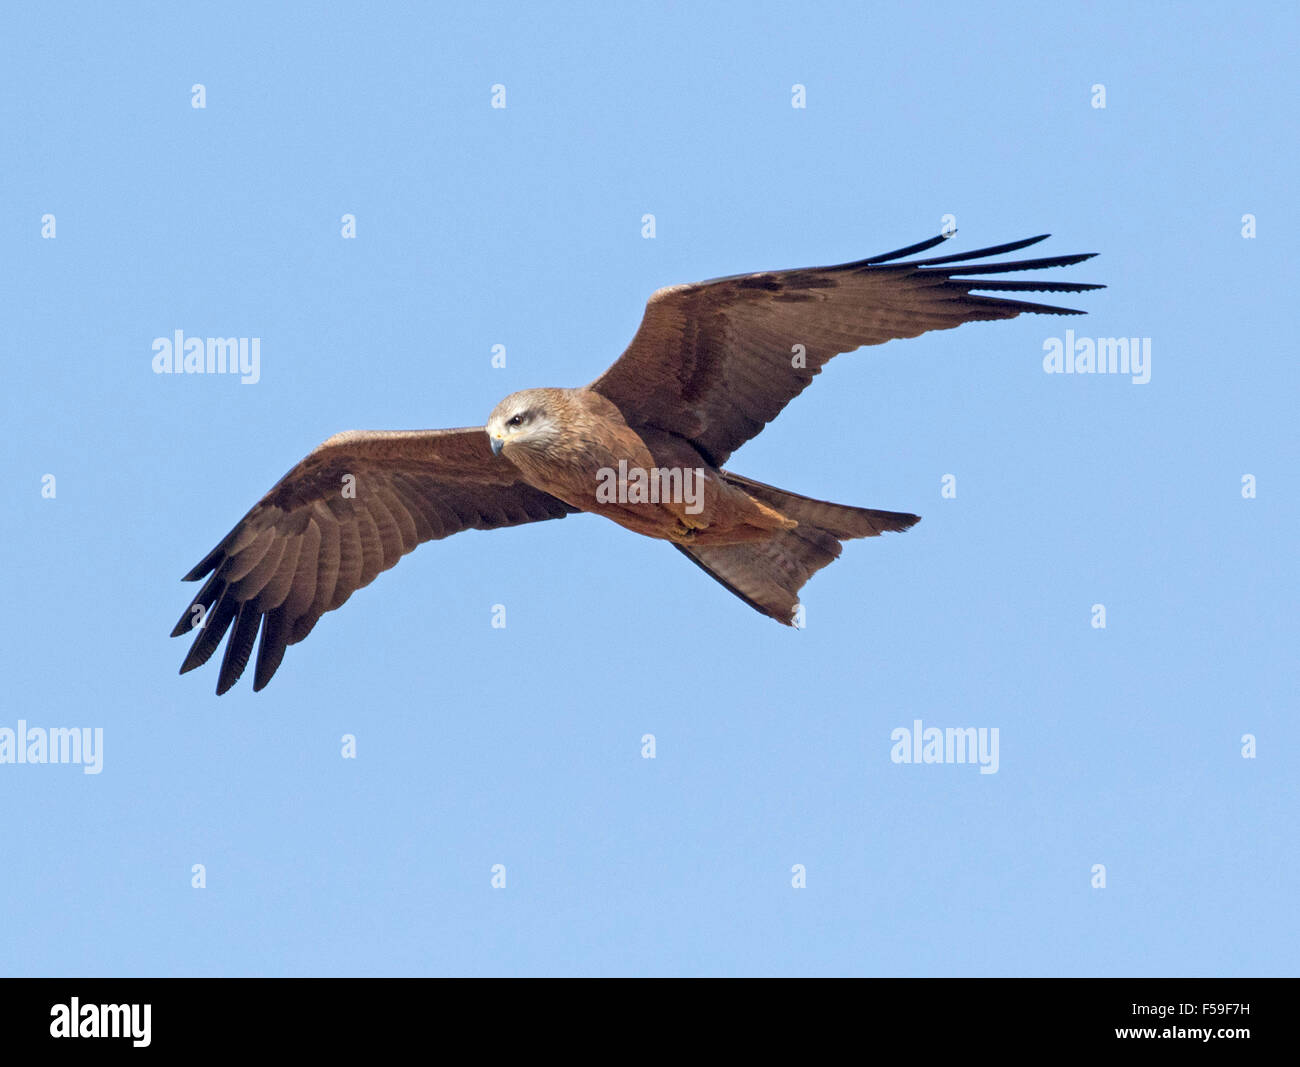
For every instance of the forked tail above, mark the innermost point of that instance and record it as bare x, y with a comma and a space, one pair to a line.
767, 575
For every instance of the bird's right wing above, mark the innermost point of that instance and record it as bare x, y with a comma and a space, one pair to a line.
351, 509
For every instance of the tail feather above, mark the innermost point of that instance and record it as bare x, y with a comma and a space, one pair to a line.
767, 575
841, 521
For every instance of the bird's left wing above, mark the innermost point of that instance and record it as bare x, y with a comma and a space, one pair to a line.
351, 509
715, 361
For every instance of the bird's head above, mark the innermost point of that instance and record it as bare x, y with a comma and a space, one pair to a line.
524, 420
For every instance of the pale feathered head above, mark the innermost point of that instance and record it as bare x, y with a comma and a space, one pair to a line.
527, 419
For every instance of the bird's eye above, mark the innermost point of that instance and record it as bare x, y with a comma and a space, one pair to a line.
515, 420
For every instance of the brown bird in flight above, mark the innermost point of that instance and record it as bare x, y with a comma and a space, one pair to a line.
644, 445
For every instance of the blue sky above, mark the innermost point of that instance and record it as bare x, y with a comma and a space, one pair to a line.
522, 227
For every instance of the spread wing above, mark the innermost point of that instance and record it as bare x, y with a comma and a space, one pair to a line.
714, 362
351, 509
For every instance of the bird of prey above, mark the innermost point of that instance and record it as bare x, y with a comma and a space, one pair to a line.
645, 445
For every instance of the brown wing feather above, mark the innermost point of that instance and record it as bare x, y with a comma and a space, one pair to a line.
714, 362
305, 547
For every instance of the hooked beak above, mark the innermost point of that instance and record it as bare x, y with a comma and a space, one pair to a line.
497, 444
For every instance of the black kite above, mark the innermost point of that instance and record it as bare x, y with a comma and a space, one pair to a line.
710, 366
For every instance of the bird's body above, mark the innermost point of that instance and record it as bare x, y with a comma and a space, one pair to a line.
597, 463
644, 445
